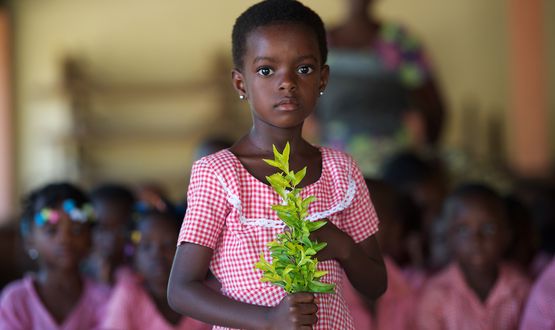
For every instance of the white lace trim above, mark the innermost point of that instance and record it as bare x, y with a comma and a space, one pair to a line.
234, 200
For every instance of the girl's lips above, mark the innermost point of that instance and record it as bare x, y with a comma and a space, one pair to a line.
287, 105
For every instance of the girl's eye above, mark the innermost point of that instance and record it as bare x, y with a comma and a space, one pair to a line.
305, 69
77, 230
463, 232
265, 71
50, 230
489, 229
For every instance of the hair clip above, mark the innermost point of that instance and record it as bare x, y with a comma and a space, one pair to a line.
83, 214
135, 236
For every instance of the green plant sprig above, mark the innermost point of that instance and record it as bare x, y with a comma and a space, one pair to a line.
294, 265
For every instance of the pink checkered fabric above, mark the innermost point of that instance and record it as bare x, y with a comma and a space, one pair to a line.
229, 211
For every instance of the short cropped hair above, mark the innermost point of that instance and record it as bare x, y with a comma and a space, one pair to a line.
473, 191
113, 192
271, 12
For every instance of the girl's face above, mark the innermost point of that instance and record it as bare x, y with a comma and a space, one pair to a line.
155, 252
282, 74
109, 233
477, 235
62, 245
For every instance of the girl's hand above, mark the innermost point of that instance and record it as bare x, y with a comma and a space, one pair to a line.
339, 245
295, 311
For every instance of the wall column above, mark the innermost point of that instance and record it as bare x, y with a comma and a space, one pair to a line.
7, 155
528, 115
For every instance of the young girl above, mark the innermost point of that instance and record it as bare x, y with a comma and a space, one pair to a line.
279, 53
113, 205
56, 228
139, 300
478, 291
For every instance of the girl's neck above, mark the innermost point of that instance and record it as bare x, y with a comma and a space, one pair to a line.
262, 140
59, 291
60, 278
481, 282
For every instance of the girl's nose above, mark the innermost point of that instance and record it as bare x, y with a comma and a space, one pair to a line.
288, 82
64, 234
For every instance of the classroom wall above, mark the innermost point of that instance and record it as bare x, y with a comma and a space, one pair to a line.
138, 40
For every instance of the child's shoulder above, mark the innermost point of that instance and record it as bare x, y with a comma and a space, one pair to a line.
446, 282
127, 287
338, 162
97, 292
18, 291
336, 157
514, 278
216, 161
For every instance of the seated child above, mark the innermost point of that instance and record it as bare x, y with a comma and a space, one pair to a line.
139, 300
477, 291
113, 205
56, 228
425, 181
394, 309
540, 309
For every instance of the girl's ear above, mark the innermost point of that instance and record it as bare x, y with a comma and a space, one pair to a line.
29, 245
324, 75
238, 82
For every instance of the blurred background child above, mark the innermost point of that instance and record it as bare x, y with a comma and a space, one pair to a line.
113, 205
393, 310
477, 291
139, 300
424, 182
56, 226
524, 239
540, 309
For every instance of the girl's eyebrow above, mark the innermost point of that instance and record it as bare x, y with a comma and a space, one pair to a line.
270, 59
262, 58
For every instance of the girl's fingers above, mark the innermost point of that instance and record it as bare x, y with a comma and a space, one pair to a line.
301, 297
307, 319
307, 309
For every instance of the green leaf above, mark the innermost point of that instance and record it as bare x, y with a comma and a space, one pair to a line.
313, 226
277, 155
283, 208
285, 153
306, 202
279, 180
319, 246
317, 286
320, 273
299, 176
272, 163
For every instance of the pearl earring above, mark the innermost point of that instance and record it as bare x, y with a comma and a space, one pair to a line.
241, 97
33, 254
321, 93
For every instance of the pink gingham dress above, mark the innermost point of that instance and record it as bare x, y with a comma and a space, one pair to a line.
229, 211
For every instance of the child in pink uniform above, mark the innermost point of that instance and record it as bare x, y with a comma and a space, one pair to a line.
113, 205
139, 300
478, 291
279, 54
56, 228
394, 310
540, 309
